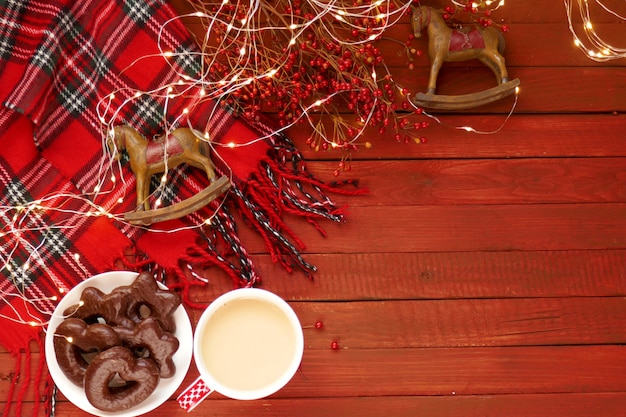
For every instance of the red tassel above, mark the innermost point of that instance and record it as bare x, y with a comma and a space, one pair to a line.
25, 381
17, 355
40, 379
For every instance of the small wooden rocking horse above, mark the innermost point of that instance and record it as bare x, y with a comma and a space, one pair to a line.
452, 45
151, 157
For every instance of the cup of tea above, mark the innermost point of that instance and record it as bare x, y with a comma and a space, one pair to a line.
248, 344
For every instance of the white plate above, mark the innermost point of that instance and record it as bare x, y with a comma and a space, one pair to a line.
106, 282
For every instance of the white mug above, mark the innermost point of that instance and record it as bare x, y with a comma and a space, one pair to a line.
248, 344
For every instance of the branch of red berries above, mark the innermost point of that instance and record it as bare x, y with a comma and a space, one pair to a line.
317, 63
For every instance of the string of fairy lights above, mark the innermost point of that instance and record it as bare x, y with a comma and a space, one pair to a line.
310, 61
585, 34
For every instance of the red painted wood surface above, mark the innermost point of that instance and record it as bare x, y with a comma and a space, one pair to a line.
483, 274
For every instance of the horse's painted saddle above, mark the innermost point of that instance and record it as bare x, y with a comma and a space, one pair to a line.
461, 40
158, 149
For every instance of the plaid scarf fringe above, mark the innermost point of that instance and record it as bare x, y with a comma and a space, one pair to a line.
22, 377
281, 185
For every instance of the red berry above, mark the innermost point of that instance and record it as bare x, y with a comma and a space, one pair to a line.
334, 345
319, 324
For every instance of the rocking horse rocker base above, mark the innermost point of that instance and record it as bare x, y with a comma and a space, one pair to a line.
175, 211
466, 101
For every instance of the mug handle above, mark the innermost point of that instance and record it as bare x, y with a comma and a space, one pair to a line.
193, 394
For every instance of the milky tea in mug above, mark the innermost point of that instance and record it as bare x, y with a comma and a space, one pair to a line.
248, 344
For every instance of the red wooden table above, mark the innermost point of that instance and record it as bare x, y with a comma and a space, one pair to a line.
483, 275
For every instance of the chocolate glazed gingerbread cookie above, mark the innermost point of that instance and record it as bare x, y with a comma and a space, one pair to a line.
158, 344
96, 307
74, 340
148, 300
140, 378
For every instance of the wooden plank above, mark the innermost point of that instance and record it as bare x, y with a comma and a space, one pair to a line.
521, 45
524, 405
545, 90
459, 371
438, 323
542, 89
453, 371
528, 11
598, 89
447, 275
486, 181
521, 136
463, 323
457, 228
521, 49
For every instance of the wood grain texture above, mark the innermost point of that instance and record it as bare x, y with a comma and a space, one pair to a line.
486, 181
524, 405
484, 274
454, 371
456, 228
521, 136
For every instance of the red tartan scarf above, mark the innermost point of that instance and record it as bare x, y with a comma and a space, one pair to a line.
59, 63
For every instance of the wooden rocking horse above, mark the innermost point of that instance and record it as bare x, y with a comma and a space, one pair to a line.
453, 45
151, 157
